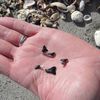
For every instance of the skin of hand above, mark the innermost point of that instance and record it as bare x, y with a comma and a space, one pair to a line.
78, 80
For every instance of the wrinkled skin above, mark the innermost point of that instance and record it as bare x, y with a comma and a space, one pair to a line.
78, 80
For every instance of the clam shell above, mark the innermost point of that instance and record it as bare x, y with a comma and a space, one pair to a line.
59, 5
77, 16
81, 5
28, 3
55, 16
97, 38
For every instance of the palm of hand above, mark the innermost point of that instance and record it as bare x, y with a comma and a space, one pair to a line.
76, 76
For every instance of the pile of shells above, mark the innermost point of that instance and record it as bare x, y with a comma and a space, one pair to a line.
45, 13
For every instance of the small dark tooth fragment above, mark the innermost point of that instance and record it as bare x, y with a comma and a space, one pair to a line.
38, 67
52, 55
47, 53
64, 61
51, 70
44, 49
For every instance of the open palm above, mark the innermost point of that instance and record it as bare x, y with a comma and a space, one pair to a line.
78, 80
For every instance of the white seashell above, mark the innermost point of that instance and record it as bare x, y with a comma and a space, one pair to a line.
77, 16
71, 8
97, 38
87, 18
82, 5
58, 4
28, 3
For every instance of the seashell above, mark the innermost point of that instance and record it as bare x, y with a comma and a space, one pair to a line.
8, 12
59, 5
43, 25
71, 8
21, 16
55, 16
48, 23
87, 18
97, 38
81, 5
28, 3
55, 25
77, 16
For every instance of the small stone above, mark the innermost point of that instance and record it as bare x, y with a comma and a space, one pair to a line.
97, 38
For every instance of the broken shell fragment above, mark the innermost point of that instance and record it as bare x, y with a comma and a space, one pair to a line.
97, 38
77, 16
71, 8
48, 23
59, 5
55, 16
55, 25
82, 5
28, 3
21, 16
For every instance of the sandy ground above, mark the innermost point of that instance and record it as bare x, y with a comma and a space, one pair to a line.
9, 90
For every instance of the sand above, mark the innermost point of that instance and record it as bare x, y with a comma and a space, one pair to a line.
10, 90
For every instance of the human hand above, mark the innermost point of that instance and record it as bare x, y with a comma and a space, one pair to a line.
78, 80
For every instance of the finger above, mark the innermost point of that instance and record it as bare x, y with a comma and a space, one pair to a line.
7, 49
5, 65
10, 35
20, 26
